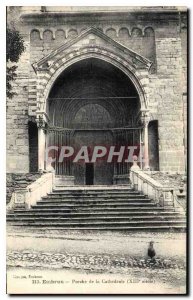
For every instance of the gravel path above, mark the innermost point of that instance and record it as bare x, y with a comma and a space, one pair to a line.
121, 254
167, 245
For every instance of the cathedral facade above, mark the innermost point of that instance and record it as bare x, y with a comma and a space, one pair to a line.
99, 77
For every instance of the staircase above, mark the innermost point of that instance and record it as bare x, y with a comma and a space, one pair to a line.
98, 208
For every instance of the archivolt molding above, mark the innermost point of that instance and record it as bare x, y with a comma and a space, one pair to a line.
49, 68
46, 80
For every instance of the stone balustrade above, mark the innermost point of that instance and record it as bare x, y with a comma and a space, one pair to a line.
162, 195
28, 196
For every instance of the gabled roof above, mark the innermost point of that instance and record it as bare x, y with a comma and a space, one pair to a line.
139, 59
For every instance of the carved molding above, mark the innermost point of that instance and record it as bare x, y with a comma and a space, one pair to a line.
118, 30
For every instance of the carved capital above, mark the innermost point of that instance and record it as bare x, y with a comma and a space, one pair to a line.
42, 121
145, 117
70, 131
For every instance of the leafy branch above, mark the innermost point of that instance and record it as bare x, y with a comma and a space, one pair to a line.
15, 47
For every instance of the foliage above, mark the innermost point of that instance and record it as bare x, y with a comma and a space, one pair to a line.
15, 47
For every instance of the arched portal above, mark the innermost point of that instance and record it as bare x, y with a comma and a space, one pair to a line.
93, 103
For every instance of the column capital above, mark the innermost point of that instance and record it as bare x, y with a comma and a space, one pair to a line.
69, 131
42, 120
145, 117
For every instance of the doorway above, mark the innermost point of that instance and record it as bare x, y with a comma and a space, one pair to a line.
153, 137
33, 147
89, 173
88, 107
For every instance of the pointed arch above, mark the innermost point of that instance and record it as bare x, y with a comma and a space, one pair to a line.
107, 56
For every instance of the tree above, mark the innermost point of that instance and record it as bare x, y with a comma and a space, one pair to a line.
15, 47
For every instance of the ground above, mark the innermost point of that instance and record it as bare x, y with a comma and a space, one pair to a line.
116, 261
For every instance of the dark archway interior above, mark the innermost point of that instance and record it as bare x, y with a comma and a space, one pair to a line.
92, 97
91, 89
33, 146
153, 137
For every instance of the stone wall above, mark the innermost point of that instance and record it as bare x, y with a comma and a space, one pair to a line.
166, 87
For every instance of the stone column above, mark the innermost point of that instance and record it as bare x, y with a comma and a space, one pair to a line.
42, 125
140, 153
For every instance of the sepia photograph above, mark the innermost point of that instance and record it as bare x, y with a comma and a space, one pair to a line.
96, 150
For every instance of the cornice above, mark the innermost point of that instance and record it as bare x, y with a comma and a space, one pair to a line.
135, 14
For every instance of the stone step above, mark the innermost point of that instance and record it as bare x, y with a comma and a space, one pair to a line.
103, 209
93, 205
94, 219
91, 201
164, 228
98, 208
115, 214
94, 192
102, 196
100, 224
93, 187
